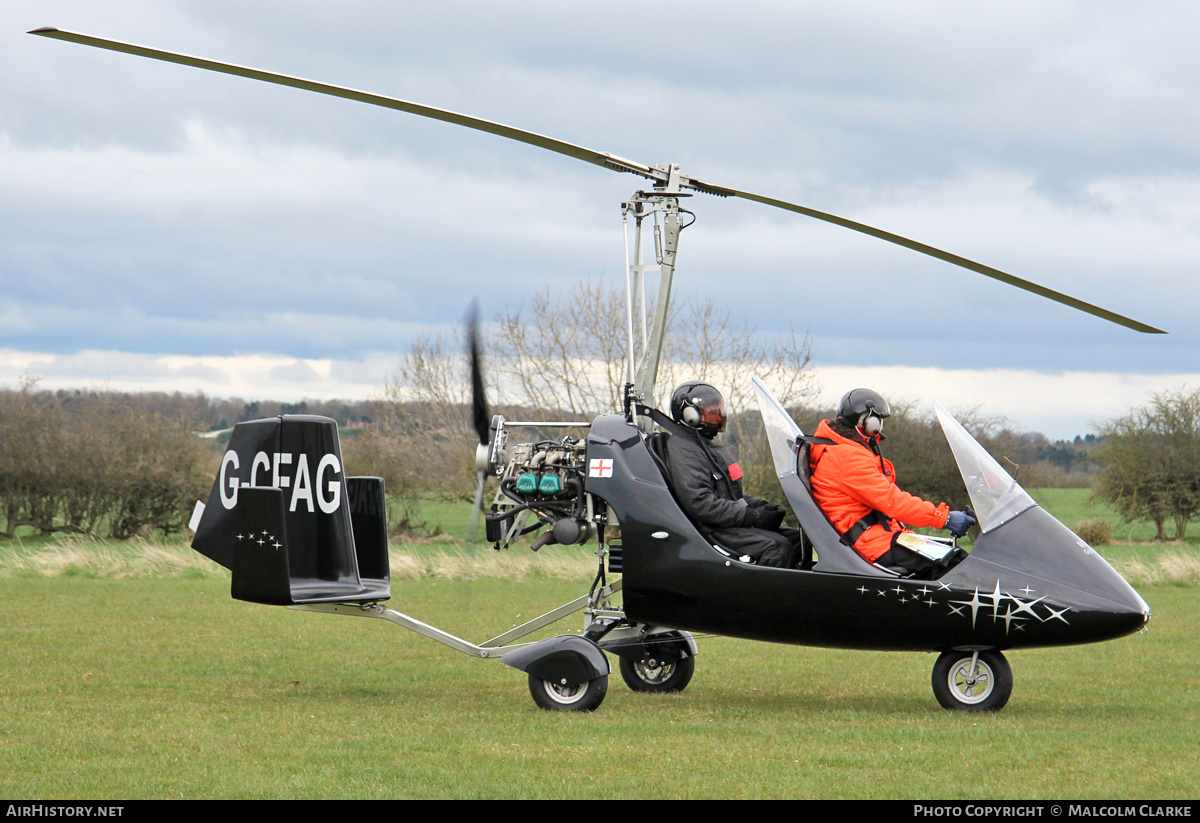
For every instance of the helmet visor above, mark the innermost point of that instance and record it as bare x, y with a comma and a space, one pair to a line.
712, 416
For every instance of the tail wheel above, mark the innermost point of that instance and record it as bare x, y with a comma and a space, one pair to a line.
968, 683
561, 696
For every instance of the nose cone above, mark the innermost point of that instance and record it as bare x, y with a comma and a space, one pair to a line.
1067, 592
1132, 606
1124, 616
1099, 604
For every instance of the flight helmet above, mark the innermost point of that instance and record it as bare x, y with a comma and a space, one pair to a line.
865, 409
699, 406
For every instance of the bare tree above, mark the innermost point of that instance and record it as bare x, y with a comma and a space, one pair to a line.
705, 342
563, 352
563, 356
567, 353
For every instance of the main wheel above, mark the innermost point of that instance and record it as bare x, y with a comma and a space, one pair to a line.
984, 687
557, 696
653, 675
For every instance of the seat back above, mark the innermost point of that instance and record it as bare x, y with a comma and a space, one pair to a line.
804, 465
656, 442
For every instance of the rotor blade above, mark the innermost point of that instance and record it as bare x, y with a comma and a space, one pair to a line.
599, 158
604, 159
480, 416
923, 248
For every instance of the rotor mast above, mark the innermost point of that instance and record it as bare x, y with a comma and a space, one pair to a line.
665, 199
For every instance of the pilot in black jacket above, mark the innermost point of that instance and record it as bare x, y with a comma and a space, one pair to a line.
707, 482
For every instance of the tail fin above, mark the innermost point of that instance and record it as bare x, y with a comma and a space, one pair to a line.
287, 522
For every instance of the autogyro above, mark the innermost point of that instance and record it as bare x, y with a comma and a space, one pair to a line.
296, 532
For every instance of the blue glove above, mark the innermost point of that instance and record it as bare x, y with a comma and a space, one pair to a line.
959, 523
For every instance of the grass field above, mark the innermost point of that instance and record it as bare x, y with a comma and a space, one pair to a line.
166, 688
126, 672
1069, 505
1073, 505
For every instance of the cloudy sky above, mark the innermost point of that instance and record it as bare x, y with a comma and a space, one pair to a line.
164, 227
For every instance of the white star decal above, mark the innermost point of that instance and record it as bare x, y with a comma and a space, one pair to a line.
997, 598
975, 603
1009, 620
1013, 610
1027, 607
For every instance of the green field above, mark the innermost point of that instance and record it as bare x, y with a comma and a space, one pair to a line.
166, 688
126, 671
1069, 505
1073, 505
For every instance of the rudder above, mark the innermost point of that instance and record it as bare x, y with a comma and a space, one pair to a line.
287, 522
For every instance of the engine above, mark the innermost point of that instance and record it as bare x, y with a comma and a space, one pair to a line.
542, 481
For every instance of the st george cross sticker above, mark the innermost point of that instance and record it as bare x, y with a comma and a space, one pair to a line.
600, 468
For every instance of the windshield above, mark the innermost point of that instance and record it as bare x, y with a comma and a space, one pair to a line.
781, 429
995, 496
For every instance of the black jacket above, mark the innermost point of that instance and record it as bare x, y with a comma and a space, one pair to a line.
707, 482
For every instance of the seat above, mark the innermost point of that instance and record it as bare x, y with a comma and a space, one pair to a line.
804, 472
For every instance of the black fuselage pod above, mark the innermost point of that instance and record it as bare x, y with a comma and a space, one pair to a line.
1030, 583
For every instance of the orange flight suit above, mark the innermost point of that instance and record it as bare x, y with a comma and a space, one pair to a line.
850, 481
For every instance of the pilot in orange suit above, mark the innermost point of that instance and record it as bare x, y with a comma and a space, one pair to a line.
855, 486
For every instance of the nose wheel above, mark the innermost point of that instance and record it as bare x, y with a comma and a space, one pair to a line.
972, 681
